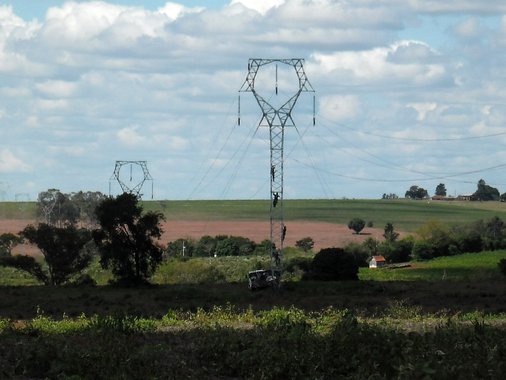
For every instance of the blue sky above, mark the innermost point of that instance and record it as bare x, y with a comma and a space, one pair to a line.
29, 9
407, 93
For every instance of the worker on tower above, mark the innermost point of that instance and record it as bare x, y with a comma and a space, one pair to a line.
275, 200
283, 233
273, 172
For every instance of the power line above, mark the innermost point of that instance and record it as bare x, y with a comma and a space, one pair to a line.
415, 139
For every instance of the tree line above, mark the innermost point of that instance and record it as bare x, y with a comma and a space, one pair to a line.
483, 192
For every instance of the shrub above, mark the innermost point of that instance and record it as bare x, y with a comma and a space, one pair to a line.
181, 247
195, 271
333, 264
356, 224
360, 252
436, 235
298, 263
306, 244
397, 251
423, 250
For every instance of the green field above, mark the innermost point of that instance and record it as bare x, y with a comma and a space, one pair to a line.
406, 215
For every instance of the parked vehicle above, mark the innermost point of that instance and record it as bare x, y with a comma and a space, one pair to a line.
261, 279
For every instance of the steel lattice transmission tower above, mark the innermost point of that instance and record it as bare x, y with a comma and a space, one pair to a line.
135, 187
277, 119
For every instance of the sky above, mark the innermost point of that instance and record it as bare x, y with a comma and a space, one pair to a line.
407, 92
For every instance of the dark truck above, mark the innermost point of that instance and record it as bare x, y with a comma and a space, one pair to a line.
260, 279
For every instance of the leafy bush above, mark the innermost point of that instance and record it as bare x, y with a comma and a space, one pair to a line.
181, 247
298, 263
333, 264
423, 250
195, 271
436, 235
356, 224
397, 251
360, 252
306, 244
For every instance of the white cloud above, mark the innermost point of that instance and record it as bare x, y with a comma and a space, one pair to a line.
340, 107
376, 65
423, 109
175, 10
57, 88
9, 163
261, 6
130, 137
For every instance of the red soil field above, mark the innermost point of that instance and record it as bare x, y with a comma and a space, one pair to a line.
324, 234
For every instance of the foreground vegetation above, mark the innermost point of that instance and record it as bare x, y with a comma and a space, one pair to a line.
280, 343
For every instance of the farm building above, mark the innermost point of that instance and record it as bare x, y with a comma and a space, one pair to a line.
377, 262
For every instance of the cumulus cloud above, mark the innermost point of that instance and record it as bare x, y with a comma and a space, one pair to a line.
9, 163
261, 6
379, 64
130, 137
340, 107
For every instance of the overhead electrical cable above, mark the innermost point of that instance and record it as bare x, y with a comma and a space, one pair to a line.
213, 163
415, 139
407, 179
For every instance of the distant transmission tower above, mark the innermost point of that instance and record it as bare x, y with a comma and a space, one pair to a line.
277, 119
132, 186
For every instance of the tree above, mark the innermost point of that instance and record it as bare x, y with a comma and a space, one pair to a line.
126, 237
389, 234
7, 242
441, 190
360, 252
438, 236
398, 251
333, 264
62, 248
416, 192
356, 224
56, 208
306, 244
86, 204
181, 247
26, 264
485, 192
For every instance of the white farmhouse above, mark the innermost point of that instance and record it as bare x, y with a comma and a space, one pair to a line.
377, 262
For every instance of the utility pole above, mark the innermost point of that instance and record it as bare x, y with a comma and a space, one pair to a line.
277, 119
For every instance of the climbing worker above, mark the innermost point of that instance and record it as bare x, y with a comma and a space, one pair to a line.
275, 200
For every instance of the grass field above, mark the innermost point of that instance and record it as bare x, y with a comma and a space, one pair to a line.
406, 215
